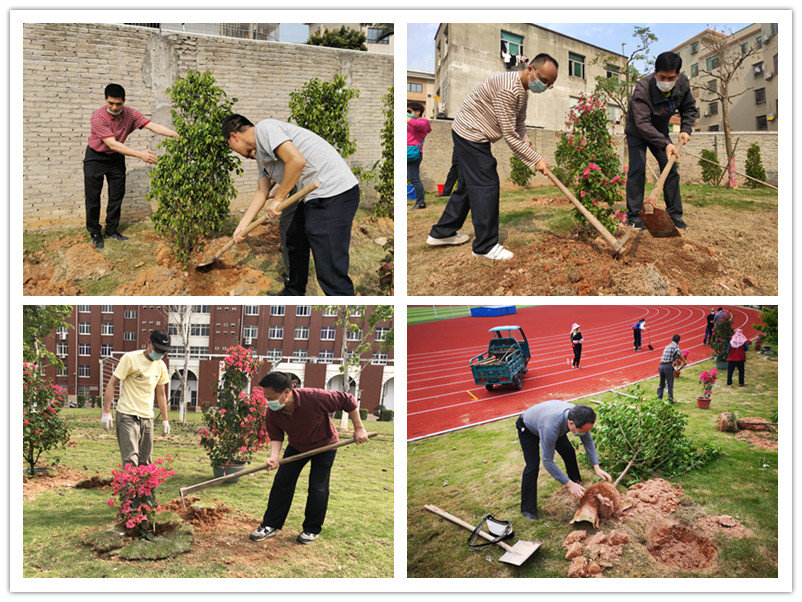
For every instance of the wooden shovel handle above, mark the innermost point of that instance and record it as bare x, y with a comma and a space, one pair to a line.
658, 188
468, 526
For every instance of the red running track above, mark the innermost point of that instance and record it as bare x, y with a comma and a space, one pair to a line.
441, 394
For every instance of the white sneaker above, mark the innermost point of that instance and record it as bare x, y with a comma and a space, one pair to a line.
457, 239
497, 253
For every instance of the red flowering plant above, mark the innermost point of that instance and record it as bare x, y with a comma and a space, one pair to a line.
43, 428
708, 379
135, 488
678, 362
586, 151
235, 424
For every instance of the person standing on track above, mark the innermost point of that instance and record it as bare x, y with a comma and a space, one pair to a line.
671, 353
545, 427
495, 109
637, 329
711, 320
576, 343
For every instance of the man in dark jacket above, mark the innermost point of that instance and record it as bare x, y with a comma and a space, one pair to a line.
655, 99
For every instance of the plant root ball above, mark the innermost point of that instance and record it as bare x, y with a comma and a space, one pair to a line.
600, 501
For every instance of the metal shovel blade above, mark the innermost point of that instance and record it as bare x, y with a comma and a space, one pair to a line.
657, 222
520, 552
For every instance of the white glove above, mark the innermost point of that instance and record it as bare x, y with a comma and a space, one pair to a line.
105, 420
166, 427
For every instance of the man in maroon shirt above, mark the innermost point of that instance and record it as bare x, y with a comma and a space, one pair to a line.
305, 416
105, 158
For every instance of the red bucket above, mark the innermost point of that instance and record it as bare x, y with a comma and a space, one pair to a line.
440, 188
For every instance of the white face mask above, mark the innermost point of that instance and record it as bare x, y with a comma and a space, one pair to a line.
113, 113
665, 86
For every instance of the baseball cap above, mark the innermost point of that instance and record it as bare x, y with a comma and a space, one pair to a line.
160, 340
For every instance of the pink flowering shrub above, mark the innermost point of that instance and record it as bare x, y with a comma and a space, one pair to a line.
678, 361
708, 379
234, 428
135, 488
586, 151
43, 428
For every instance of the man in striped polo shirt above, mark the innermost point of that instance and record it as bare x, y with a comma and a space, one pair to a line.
495, 109
671, 353
105, 158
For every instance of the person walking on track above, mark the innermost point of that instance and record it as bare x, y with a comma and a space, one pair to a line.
576, 343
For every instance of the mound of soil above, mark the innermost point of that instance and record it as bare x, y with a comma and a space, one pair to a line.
95, 482
730, 526
203, 517
653, 495
589, 556
677, 546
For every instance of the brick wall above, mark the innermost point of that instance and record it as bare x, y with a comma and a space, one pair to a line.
438, 145
67, 66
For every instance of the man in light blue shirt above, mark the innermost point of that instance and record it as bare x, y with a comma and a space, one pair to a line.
545, 427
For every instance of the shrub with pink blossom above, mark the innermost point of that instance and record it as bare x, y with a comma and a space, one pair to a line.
234, 426
586, 151
43, 428
708, 379
135, 488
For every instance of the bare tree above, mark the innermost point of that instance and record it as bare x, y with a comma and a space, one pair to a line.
181, 319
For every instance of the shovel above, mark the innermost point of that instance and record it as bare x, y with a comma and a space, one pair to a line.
516, 554
185, 490
258, 222
658, 222
617, 245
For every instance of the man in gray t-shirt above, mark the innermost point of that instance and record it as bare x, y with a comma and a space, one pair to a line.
294, 157
545, 427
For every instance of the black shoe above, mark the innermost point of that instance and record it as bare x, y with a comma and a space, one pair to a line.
97, 241
419, 206
636, 223
116, 236
530, 515
679, 223
262, 533
444, 194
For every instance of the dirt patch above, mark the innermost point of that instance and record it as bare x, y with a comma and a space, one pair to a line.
95, 482
759, 439
653, 495
730, 526
679, 547
756, 424
590, 555
82, 262
50, 480
203, 517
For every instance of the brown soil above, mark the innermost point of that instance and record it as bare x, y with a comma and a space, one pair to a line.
203, 518
95, 482
709, 258
50, 480
730, 526
755, 424
600, 501
677, 546
655, 494
590, 555
759, 439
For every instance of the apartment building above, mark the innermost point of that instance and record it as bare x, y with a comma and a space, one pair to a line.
375, 39
420, 88
298, 339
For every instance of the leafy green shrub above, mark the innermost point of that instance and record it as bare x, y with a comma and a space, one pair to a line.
384, 171
651, 434
563, 176
363, 413
586, 152
519, 172
43, 428
711, 172
769, 324
386, 415
350, 39
720, 339
193, 181
754, 166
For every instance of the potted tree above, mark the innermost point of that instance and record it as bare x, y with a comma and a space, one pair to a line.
234, 424
720, 341
708, 379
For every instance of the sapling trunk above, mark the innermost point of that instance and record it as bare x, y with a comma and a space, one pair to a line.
600, 500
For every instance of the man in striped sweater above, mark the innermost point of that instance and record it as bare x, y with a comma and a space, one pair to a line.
495, 109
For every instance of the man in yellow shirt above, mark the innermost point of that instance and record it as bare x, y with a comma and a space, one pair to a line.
142, 375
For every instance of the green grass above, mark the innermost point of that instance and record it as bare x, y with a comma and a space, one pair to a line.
357, 538
477, 471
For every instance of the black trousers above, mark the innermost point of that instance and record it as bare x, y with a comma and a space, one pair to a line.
637, 334
577, 354
530, 446
636, 179
708, 333
98, 166
731, 366
666, 381
451, 178
283, 490
477, 191
322, 226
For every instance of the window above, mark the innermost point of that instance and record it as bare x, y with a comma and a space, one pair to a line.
326, 356
356, 313
713, 128
374, 34
276, 310
694, 69
300, 355
107, 328
775, 64
757, 69
380, 358
251, 332
199, 330
129, 336
712, 63
177, 351
745, 48
613, 113
355, 335
381, 333
83, 390
84, 371
130, 314
200, 309
327, 333
84, 309
274, 355
713, 108
62, 332
107, 309
576, 65
330, 312
712, 85
302, 333
276, 332
61, 349
414, 87
512, 43
251, 310
84, 349
303, 310
61, 372
613, 72
106, 349
694, 47
84, 328
760, 96
759, 42
198, 352
762, 123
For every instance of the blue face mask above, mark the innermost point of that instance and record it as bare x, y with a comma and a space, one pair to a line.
155, 355
410, 115
275, 405
537, 86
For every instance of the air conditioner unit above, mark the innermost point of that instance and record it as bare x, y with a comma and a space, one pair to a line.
767, 37
769, 74
758, 71
62, 336
249, 341
707, 113
771, 116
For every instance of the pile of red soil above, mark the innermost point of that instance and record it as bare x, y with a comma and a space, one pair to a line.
590, 555
202, 517
655, 494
